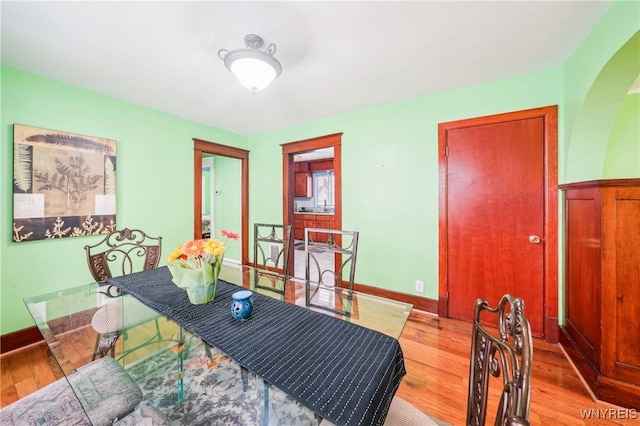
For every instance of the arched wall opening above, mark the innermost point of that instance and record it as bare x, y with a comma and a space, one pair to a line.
597, 114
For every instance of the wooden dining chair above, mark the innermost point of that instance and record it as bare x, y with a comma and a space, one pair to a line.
271, 244
124, 252
506, 353
330, 266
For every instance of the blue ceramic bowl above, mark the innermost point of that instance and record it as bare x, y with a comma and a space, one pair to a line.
241, 304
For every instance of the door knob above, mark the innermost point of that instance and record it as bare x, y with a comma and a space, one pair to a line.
534, 239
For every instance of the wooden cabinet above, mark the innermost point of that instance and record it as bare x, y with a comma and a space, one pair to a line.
302, 221
313, 166
298, 227
303, 185
602, 286
320, 165
325, 222
303, 177
329, 223
301, 166
310, 222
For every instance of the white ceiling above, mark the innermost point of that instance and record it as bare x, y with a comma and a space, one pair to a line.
316, 154
336, 56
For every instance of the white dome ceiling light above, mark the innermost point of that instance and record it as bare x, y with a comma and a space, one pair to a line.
255, 69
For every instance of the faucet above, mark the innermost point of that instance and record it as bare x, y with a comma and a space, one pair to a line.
325, 205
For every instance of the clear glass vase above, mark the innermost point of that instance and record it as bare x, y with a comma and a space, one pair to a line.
200, 283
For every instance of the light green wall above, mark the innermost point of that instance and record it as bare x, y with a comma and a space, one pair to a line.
390, 170
155, 180
622, 159
596, 79
390, 173
228, 212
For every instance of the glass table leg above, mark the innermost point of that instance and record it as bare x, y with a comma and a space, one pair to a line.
181, 366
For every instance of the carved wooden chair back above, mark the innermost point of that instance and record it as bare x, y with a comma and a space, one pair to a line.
124, 251
505, 354
271, 244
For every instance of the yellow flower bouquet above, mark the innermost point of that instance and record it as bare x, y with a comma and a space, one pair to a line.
195, 266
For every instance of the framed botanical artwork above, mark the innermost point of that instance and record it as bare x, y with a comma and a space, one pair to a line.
64, 184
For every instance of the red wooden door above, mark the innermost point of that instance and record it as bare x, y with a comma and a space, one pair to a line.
495, 196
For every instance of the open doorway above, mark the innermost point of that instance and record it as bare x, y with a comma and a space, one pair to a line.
312, 190
314, 202
208, 201
230, 205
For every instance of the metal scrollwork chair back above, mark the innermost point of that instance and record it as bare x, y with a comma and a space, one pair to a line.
505, 354
271, 256
127, 250
124, 251
328, 285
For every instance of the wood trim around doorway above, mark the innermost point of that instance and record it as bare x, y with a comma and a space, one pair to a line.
550, 117
288, 151
200, 147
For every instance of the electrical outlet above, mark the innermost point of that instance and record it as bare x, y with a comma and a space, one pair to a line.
420, 286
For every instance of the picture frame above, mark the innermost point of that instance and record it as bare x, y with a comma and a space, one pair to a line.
64, 184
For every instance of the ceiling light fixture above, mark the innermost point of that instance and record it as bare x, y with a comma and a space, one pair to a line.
255, 69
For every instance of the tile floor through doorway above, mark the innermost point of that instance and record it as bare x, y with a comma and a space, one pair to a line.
324, 259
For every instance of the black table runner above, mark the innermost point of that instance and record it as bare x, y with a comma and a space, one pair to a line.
345, 373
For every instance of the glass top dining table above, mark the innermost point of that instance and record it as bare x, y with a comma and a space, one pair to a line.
176, 370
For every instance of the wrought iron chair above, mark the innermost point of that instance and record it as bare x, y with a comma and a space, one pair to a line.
125, 251
271, 256
270, 263
128, 249
329, 279
506, 354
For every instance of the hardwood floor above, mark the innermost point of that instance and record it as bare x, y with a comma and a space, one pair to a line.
436, 352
